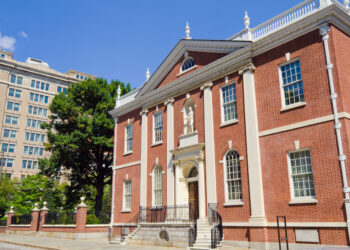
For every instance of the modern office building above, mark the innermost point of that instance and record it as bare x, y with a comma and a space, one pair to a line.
26, 90
226, 135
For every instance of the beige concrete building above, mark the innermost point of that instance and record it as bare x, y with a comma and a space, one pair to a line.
26, 90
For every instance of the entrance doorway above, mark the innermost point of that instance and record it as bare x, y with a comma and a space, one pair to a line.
193, 192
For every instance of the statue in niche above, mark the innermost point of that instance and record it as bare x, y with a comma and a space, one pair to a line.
188, 118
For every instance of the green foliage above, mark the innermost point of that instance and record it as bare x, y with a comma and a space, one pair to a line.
7, 191
92, 219
80, 138
36, 189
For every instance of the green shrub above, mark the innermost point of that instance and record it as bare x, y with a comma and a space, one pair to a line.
92, 219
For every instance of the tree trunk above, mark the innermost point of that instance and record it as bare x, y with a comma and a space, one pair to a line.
99, 195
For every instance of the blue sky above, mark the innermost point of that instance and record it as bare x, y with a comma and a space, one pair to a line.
120, 39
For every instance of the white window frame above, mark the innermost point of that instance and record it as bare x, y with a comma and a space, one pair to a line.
235, 120
126, 150
155, 142
156, 203
231, 202
283, 101
304, 199
187, 58
125, 208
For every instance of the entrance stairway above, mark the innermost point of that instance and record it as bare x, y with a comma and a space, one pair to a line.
203, 240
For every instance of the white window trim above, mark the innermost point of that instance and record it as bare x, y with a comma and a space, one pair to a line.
126, 151
154, 127
223, 122
299, 200
153, 186
236, 202
126, 210
184, 71
294, 105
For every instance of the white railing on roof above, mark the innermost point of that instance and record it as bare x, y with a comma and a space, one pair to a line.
300, 11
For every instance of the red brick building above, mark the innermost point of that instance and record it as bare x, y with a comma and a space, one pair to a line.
228, 134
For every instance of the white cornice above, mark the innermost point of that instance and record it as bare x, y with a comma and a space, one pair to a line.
184, 45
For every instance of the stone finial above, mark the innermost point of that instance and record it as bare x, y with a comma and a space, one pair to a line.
346, 3
36, 207
148, 75
187, 31
82, 203
246, 20
44, 206
117, 103
11, 210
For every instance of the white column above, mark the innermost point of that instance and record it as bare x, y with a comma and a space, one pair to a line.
253, 147
143, 174
170, 146
178, 175
209, 143
201, 189
113, 170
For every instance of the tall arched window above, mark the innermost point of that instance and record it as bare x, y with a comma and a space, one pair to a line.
157, 186
233, 176
187, 64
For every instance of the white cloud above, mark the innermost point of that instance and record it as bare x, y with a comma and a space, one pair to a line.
23, 34
7, 42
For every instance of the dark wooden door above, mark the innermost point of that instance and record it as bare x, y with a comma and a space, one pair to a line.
193, 198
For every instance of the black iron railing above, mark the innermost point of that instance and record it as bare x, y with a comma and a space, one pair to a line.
59, 218
215, 220
3, 223
24, 219
179, 213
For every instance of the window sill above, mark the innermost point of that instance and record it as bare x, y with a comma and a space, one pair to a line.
303, 201
233, 203
157, 143
127, 153
187, 70
293, 106
126, 211
228, 123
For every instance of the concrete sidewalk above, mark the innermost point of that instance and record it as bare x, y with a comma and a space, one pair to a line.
23, 241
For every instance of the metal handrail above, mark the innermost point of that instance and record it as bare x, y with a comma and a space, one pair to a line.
215, 219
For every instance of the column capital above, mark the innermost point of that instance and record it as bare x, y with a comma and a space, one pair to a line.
176, 162
248, 67
200, 157
169, 101
11, 210
144, 112
206, 85
324, 31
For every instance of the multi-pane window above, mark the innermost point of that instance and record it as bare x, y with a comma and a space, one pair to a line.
40, 85
35, 137
37, 110
292, 83
5, 147
38, 98
30, 150
61, 89
9, 133
127, 195
34, 123
157, 186
29, 164
11, 119
187, 64
158, 127
128, 138
229, 104
233, 176
16, 79
302, 179
12, 106
14, 93
6, 162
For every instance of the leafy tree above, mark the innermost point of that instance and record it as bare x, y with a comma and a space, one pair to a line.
80, 138
7, 191
36, 189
